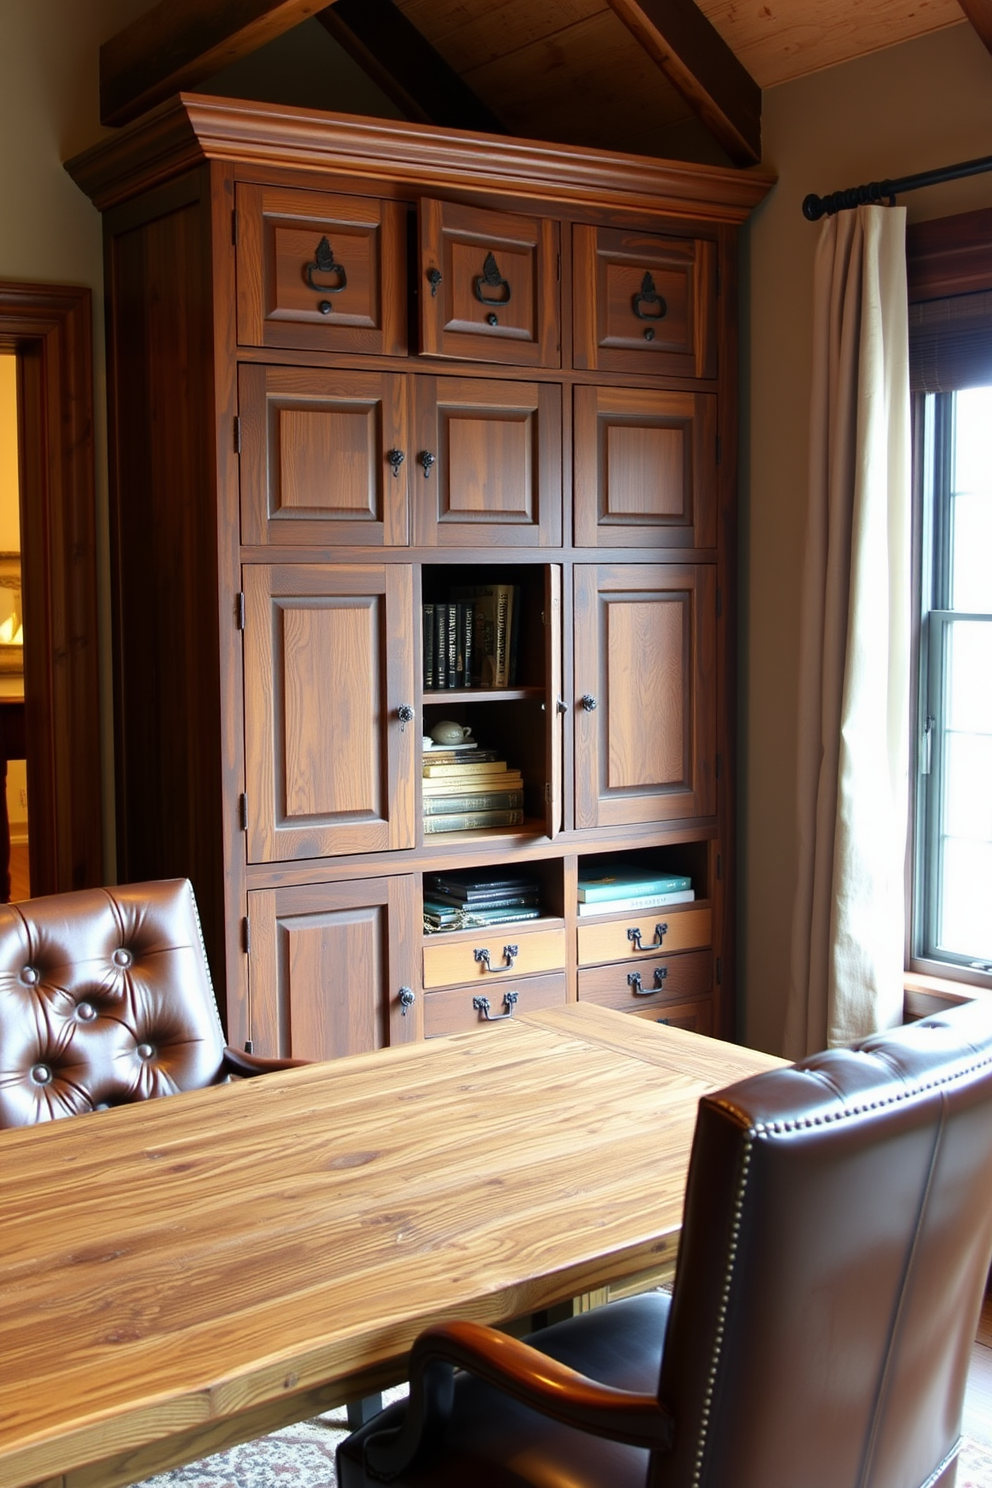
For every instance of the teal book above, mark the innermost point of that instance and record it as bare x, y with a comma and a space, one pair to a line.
622, 881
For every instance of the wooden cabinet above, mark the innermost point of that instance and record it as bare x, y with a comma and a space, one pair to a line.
359, 371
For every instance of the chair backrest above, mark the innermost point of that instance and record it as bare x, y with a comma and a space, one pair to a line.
105, 997
837, 1236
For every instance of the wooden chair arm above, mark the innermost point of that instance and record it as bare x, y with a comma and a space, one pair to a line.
237, 1062
520, 1371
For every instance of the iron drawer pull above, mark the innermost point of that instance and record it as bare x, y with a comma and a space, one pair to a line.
509, 951
634, 982
407, 998
492, 279
649, 296
434, 277
325, 263
396, 458
634, 935
481, 1005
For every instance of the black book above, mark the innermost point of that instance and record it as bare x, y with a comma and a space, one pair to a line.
471, 891
451, 611
440, 645
429, 681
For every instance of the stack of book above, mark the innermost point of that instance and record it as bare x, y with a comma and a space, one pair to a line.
612, 887
471, 638
461, 899
465, 788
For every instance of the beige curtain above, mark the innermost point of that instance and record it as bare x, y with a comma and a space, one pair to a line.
852, 788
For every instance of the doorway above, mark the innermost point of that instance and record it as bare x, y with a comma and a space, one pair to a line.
47, 331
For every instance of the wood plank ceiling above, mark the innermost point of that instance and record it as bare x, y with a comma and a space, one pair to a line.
658, 77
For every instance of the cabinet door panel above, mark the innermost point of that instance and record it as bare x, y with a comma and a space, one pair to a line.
495, 474
645, 302
645, 711
315, 457
645, 468
328, 663
320, 272
328, 965
488, 286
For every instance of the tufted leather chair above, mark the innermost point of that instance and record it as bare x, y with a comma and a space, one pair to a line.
105, 997
836, 1239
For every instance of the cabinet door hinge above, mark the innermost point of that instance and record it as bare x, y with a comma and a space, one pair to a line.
719, 972
243, 811
239, 610
547, 791
234, 226
237, 436
246, 935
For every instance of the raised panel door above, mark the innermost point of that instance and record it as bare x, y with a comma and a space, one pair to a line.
644, 302
323, 457
320, 272
330, 753
488, 285
645, 468
488, 465
332, 967
645, 705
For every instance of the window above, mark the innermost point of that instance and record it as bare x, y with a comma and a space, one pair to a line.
950, 277
953, 908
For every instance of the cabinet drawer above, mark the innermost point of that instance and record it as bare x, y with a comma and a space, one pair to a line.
694, 1017
488, 286
485, 956
636, 986
645, 302
627, 936
460, 1008
320, 272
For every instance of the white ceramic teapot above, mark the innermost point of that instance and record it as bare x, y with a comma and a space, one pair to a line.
449, 732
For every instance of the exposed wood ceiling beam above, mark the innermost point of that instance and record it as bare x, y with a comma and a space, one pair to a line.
397, 57
178, 43
697, 61
979, 13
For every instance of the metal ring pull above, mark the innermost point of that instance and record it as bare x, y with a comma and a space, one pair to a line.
492, 279
634, 935
509, 951
649, 296
481, 1005
325, 263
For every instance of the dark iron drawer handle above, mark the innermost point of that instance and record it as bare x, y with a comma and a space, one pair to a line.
634, 982
396, 458
481, 1005
649, 296
434, 277
634, 936
509, 951
407, 998
492, 279
325, 263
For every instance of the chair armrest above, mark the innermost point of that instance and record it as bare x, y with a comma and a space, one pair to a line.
237, 1062
522, 1372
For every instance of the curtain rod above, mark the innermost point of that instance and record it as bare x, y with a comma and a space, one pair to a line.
815, 207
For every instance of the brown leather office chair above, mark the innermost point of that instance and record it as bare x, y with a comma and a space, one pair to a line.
836, 1240
105, 998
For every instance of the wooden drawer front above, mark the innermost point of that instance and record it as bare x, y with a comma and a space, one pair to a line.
612, 940
463, 960
320, 272
694, 1017
495, 477
488, 286
645, 468
456, 1010
315, 456
332, 967
645, 303
645, 703
633, 986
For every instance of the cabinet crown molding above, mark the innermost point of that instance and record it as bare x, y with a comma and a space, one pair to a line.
192, 128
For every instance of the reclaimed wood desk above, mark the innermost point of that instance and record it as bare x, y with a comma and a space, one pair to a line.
194, 1271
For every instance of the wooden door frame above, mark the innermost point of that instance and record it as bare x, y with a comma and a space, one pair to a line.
49, 328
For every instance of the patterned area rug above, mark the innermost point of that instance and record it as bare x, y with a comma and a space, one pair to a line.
303, 1456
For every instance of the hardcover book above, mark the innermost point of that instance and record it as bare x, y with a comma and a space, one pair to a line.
637, 902
470, 821
622, 880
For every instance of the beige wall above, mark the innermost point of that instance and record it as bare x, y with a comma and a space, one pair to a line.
911, 108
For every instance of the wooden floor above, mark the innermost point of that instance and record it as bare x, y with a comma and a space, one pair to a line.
978, 1400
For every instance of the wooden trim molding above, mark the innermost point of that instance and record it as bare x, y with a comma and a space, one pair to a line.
193, 127
949, 255
50, 330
